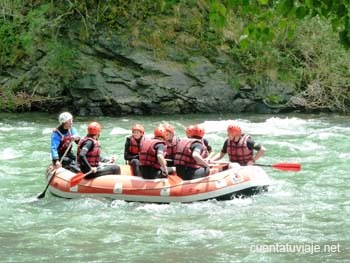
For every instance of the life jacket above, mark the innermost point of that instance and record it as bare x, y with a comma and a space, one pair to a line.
93, 156
135, 146
171, 147
183, 154
148, 154
239, 152
65, 141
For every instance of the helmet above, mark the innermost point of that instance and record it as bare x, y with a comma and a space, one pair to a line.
189, 131
94, 128
138, 127
64, 117
160, 132
198, 131
234, 130
169, 128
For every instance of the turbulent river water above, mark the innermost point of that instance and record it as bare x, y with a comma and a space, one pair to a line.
304, 217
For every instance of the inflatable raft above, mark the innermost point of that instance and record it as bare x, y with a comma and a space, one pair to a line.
225, 182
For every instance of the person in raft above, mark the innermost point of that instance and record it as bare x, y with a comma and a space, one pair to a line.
171, 142
188, 132
89, 154
240, 147
133, 146
152, 155
190, 155
61, 143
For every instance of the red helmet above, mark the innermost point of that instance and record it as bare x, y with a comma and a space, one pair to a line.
189, 131
234, 130
94, 128
198, 131
169, 128
138, 127
160, 132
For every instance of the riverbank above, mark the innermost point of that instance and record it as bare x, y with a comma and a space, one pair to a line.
154, 59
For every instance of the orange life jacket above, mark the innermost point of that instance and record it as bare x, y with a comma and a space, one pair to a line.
183, 154
148, 154
171, 147
239, 152
93, 156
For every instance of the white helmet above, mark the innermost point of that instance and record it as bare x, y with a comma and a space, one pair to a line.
64, 117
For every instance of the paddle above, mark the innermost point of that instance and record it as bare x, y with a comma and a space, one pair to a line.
42, 195
76, 179
175, 179
294, 167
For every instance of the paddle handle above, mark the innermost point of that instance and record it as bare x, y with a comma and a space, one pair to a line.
293, 167
263, 165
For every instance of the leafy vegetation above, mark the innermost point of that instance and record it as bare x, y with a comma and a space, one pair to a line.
298, 43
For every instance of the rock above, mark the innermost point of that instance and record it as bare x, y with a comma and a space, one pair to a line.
116, 79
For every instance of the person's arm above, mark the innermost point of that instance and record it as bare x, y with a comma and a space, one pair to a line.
75, 135
259, 153
104, 159
161, 148
217, 157
55, 143
206, 143
222, 153
85, 148
196, 154
257, 147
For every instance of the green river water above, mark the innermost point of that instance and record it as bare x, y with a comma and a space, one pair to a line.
304, 217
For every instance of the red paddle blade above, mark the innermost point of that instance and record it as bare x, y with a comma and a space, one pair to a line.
76, 179
295, 167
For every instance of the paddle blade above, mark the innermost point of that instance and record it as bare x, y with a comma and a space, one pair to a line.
76, 179
295, 167
42, 195
174, 180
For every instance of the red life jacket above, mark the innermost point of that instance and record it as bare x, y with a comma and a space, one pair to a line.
93, 156
183, 154
171, 147
135, 146
148, 154
239, 152
65, 141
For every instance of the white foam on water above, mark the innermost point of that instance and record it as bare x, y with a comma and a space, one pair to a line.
47, 131
9, 154
5, 129
119, 131
271, 127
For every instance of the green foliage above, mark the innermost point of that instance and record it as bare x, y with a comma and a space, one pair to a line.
273, 99
325, 68
21, 33
10, 44
61, 63
217, 14
7, 99
279, 41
